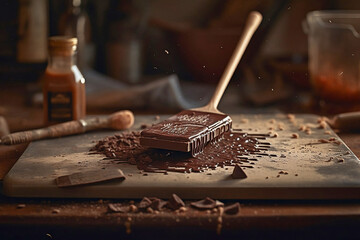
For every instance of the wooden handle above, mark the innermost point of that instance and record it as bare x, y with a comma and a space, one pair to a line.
252, 23
119, 121
58, 130
347, 121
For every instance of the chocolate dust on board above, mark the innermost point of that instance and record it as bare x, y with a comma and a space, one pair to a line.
234, 147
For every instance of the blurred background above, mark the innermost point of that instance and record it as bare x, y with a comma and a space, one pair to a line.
165, 55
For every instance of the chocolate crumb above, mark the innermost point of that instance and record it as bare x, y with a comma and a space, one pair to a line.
149, 210
55, 211
232, 209
322, 124
19, 206
266, 177
295, 135
238, 173
290, 116
302, 128
296, 174
175, 202
133, 208
278, 176
308, 131
182, 209
143, 126
145, 174
340, 160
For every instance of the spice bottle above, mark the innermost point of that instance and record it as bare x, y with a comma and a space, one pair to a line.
63, 83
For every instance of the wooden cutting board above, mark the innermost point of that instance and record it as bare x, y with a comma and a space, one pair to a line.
303, 168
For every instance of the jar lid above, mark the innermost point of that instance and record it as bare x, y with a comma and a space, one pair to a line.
62, 41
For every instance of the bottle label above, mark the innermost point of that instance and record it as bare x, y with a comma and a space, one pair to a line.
60, 106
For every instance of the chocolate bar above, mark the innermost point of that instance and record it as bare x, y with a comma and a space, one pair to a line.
187, 131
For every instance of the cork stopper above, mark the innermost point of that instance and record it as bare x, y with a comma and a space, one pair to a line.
62, 45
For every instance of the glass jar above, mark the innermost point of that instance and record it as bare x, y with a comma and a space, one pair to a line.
63, 83
334, 55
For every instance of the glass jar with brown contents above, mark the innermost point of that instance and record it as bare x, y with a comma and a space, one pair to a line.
63, 83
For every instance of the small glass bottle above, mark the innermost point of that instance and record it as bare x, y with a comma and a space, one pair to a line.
63, 83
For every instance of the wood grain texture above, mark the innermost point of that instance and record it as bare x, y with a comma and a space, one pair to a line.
300, 168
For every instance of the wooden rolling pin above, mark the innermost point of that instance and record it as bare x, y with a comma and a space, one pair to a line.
119, 121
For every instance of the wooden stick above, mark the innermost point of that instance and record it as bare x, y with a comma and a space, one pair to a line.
119, 121
252, 23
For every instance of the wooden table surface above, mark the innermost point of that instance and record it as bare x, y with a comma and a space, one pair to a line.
90, 218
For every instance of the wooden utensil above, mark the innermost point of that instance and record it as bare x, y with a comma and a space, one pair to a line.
119, 121
191, 130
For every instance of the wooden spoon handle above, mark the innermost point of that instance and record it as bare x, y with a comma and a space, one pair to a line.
253, 21
346, 121
58, 130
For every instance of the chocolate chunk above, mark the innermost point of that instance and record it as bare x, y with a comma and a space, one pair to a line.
187, 131
157, 203
145, 203
88, 177
232, 209
118, 207
206, 203
175, 202
238, 173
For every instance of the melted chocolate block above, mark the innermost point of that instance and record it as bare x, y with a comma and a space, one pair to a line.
187, 131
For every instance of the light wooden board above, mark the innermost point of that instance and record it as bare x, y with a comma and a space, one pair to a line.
314, 171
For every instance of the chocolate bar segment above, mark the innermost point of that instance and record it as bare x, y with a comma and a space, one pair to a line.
187, 131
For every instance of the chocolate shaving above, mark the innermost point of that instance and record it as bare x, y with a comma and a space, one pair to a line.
157, 204
238, 173
226, 151
118, 207
232, 209
206, 203
175, 202
145, 203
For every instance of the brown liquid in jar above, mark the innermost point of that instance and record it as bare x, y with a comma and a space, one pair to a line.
63, 84
64, 96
